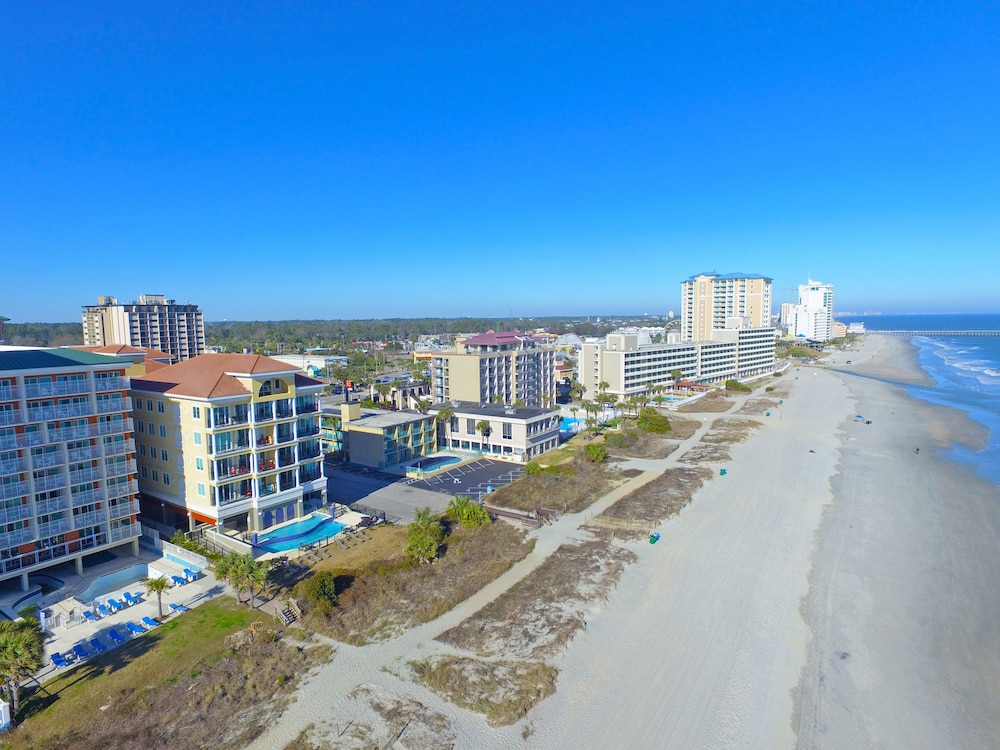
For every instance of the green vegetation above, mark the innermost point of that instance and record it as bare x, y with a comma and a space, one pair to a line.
596, 453
469, 514
243, 573
319, 591
22, 648
738, 387
532, 468
424, 536
650, 420
157, 586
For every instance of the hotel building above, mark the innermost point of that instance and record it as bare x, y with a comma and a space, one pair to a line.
508, 367
812, 317
67, 459
710, 300
229, 440
514, 433
153, 322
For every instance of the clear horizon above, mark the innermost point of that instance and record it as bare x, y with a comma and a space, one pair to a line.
289, 162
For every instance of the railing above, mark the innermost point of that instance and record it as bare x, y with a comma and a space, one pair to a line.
52, 505
62, 388
120, 383
119, 468
13, 489
45, 460
109, 405
14, 538
232, 449
14, 513
80, 432
309, 476
305, 453
120, 510
54, 528
84, 454
119, 447
285, 437
125, 532
263, 415
87, 497
309, 431
60, 411
308, 408
49, 482
92, 518
13, 467
11, 416
9, 392
122, 489
93, 474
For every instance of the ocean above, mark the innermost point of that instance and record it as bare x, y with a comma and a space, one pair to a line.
966, 372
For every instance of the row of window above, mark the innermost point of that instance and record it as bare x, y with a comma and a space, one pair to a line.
137, 405
145, 474
164, 455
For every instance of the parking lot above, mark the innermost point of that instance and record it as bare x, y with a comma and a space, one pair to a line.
474, 479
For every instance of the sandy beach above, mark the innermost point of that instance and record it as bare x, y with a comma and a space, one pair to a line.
834, 590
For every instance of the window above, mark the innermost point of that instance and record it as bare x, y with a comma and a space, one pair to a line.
142, 447
163, 454
201, 489
143, 472
163, 431
197, 438
142, 427
508, 431
470, 426
152, 428
196, 412
149, 404
156, 475
138, 404
166, 479
159, 407
199, 464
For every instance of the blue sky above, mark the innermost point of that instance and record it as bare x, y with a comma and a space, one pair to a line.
363, 159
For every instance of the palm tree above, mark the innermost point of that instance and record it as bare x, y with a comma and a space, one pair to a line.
383, 390
22, 648
231, 568
443, 418
157, 586
256, 576
423, 404
483, 428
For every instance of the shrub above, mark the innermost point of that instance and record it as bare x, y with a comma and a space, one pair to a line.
424, 536
650, 420
532, 468
469, 514
595, 453
319, 591
737, 386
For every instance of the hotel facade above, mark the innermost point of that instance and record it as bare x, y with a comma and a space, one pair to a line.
710, 300
230, 440
154, 322
67, 459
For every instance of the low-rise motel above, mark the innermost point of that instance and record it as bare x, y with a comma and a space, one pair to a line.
230, 440
67, 459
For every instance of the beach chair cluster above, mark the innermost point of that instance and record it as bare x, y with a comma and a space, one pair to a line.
109, 607
189, 575
312, 554
351, 537
80, 652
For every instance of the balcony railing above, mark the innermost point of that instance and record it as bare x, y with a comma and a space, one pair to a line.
49, 482
11, 416
102, 385
13, 467
109, 405
263, 412
59, 411
120, 468
308, 430
306, 408
232, 448
122, 489
80, 432
16, 537
87, 497
52, 505
119, 447
284, 437
121, 510
124, 532
94, 517
84, 454
308, 475
16, 512
46, 460
93, 474
61, 388
9, 393
54, 528
13, 489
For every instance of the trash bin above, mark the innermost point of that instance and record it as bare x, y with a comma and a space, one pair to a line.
722, 472
654, 537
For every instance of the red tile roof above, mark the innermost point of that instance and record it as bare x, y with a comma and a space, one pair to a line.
213, 375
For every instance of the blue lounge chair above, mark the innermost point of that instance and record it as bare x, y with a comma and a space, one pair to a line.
119, 604
132, 601
133, 628
113, 605
95, 643
149, 622
58, 660
178, 581
178, 608
90, 616
81, 651
117, 637
103, 609
190, 574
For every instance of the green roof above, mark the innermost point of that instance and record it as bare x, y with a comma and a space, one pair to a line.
39, 359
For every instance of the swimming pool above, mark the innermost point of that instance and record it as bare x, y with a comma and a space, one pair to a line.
570, 424
434, 462
313, 528
119, 579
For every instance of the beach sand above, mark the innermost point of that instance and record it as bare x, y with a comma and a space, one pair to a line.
834, 590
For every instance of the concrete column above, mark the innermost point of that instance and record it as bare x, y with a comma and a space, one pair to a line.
191, 522
79, 566
299, 507
24, 581
135, 548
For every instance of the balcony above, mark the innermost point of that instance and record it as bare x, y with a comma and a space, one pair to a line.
308, 430
122, 510
306, 407
310, 473
123, 489
54, 528
87, 497
120, 468
93, 518
13, 489
49, 482
285, 436
59, 411
61, 388
92, 474
15, 466
9, 393
16, 512
46, 460
84, 454
266, 489
265, 464
119, 447
264, 440
263, 412
124, 532
110, 405
11, 416
283, 409
103, 385
306, 452
19, 536
226, 449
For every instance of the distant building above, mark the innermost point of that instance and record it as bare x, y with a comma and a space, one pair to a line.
153, 322
508, 367
709, 301
230, 440
67, 459
513, 433
812, 317
378, 438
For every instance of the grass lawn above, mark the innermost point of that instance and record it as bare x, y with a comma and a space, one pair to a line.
162, 680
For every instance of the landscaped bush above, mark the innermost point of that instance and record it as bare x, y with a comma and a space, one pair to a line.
596, 453
650, 420
319, 591
466, 512
737, 386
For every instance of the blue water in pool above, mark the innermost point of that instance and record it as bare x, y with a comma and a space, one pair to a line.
569, 424
311, 529
434, 462
105, 584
